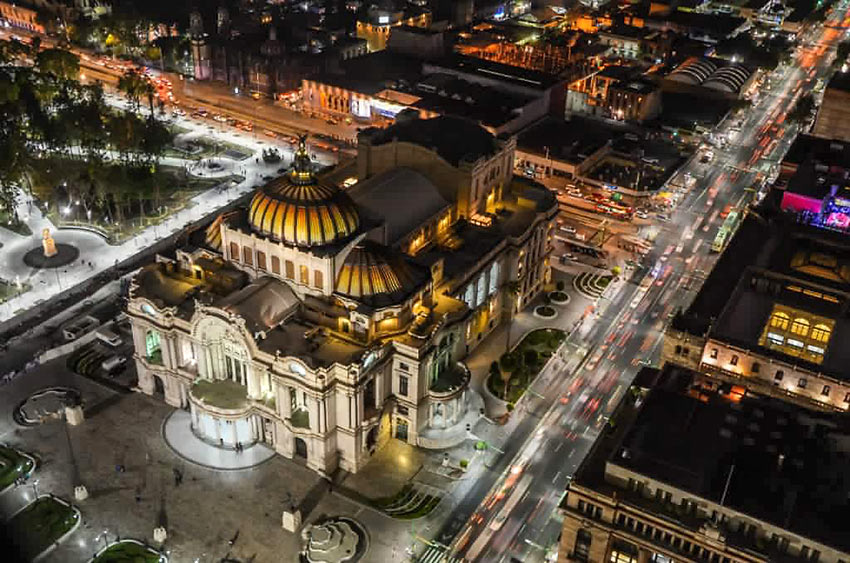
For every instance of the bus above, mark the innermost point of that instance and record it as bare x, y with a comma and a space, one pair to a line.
730, 225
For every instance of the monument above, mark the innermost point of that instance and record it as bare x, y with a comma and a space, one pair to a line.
48, 244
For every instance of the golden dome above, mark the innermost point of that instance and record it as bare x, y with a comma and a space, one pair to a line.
370, 270
298, 210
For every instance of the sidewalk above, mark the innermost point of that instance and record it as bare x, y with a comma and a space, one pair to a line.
492, 348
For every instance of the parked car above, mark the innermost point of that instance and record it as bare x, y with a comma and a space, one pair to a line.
114, 363
107, 336
80, 327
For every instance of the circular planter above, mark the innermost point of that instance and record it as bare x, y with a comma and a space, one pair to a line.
559, 297
545, 312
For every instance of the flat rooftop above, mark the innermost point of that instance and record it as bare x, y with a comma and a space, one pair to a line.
569, 141
773, 461
774, 261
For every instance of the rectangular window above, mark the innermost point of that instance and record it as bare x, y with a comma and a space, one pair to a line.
825, 390
290, 270
756, 367
775, 338
275, 265
714, 353
734, 361
802, 383
305, 275
234, 251
261, 260
779, 375
401, 409
403, 366
247, 256
402, 385
847, 398
317, 279
795, 343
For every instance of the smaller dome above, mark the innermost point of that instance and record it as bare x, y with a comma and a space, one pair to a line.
212, 235
370, 270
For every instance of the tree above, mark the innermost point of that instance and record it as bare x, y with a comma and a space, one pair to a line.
511, 291
133, 84
842, 52
60, 63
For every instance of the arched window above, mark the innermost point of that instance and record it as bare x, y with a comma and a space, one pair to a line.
780, 320
800, 326
821, 333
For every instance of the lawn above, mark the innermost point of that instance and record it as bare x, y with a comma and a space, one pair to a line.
113, 199
12, 466
524, 362
37, 526
8, 290
128, 552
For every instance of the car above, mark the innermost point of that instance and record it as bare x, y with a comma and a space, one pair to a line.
662, 217
113, 363
569, 229
80, 327
267, 178
641, 215
570, 256
269, 133
107, 336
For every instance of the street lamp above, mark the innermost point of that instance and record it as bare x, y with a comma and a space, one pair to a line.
35, 488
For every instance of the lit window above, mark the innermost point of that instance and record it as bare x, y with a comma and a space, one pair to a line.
305, 275
800, 326
815, 349
795, 343
774, 338
780, 320
820, 333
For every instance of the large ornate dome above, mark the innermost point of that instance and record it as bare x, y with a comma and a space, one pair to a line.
298, 210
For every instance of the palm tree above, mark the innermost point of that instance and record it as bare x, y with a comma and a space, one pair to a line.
132, 83
511, 291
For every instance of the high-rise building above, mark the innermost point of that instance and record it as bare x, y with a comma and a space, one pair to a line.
833, 118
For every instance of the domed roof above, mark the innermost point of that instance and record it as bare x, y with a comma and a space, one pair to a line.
298, 210
371, 270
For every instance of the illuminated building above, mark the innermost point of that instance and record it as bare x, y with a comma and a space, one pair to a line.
323, 321
689, 474
770, 316
378, 21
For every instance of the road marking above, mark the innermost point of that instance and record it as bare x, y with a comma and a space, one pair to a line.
558, 474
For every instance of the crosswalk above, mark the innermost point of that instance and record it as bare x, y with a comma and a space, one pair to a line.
437, 554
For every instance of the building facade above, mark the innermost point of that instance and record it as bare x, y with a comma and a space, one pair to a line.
322, 322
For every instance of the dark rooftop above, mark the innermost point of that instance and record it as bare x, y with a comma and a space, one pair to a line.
762, 260
765, 458
568, 141
453, 138
523, 77
839, 81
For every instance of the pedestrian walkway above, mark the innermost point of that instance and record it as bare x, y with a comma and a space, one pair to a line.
178, 435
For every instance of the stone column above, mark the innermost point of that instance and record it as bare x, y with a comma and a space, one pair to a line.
139, 338
313, 409
146, 382
203, 360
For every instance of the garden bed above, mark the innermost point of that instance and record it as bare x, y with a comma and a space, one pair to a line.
128, 551
42, 523
545, 312
13, 465
523, 363
559, 297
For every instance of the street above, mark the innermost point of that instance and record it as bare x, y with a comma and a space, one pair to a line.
573, 395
